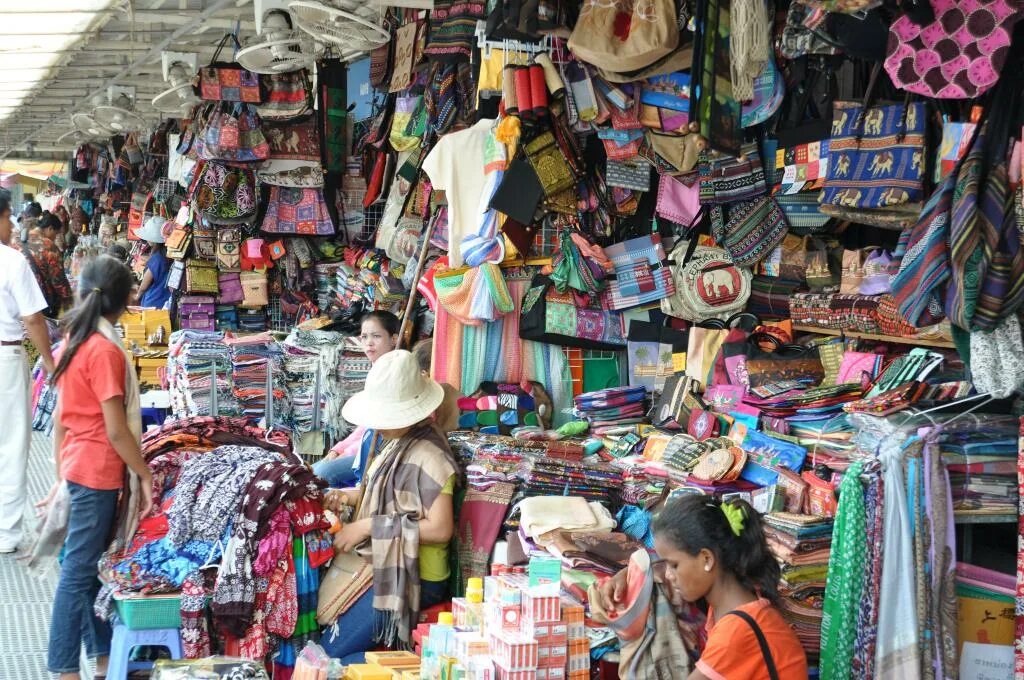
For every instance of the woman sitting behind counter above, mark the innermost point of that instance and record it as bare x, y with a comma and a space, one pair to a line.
405, 516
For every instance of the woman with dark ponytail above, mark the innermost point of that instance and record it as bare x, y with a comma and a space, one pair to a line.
717, 552
97, 433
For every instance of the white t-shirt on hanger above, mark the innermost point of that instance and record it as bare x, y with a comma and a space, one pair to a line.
456, 166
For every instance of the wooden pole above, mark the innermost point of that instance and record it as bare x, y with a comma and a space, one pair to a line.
406, 327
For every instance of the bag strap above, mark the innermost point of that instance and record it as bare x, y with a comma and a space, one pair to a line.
762, 642
223, 43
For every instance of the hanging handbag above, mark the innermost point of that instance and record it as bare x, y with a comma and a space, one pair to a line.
201, 277
568, 319
297, 211
958, 54
227, 81
753, 230
800, 36
853, 270
725, 179
295, 140
176, 275
230, 285
678, 200
715, 110
229, 256
707, 283
223, 194
177, 242
550, 164
288, 96
876, 154
254, 289
205, 241
235, 136
140, 207
640, 275
626, 37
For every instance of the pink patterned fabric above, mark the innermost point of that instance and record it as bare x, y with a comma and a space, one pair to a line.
1018, 646
957, 56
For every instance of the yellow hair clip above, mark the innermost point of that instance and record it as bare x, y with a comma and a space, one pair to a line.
735, 516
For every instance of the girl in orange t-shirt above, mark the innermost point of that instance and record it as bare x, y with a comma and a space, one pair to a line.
94, 442
717, 552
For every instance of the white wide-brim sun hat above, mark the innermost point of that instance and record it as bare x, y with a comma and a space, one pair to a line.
153, 229
397, 394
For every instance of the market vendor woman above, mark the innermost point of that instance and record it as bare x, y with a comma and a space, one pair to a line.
405, 507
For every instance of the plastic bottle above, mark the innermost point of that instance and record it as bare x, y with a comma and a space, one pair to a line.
475, 603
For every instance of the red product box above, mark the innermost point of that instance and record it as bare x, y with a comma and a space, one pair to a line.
551, 674
552, 656
572, 612
579, 663
512, 651
546, 609
503, 617
505, 674
546, 633
459, 611
581, 675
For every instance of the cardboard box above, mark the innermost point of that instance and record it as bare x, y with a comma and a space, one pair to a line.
552, 656
393, 659
367, 671
501, 617
504, 674
471, 644
551, 674
986, 621
546, 633
513, 652
545, 575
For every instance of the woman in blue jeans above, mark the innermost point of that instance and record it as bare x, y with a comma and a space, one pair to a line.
97, 432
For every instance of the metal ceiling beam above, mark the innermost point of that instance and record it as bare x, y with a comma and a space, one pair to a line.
153, 53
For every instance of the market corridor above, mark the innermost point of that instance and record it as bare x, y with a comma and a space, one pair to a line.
25, 600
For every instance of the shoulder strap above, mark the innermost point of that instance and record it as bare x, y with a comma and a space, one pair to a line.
773, 672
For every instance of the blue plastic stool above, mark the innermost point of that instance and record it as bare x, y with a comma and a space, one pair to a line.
125, 640
153, 416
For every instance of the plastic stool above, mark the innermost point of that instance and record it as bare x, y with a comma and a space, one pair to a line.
153, 416
125, 640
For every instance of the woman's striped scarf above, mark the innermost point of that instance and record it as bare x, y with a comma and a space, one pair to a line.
399, 491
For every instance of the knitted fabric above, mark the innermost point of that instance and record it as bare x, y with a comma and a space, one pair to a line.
455, 294
748, 45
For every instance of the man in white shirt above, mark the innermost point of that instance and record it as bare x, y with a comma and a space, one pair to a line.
21, 305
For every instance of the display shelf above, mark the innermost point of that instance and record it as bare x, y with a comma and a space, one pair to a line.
983, 518
923, 342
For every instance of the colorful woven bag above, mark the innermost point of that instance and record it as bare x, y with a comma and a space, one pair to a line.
753, 230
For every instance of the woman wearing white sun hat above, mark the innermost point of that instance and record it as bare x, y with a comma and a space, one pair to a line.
153, 291
405, 505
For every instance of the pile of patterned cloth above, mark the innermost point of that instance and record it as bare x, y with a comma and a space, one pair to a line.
802, 545
194, 358
981, 456
254, 359
613, 408
250, 509
547, 476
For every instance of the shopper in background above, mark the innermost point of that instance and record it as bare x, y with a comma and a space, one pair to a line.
47, 262
153, 291
718, 552
447, 415
21, 307
97, 431
340, 467
406, 504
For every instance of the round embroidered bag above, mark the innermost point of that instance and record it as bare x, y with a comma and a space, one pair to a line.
708, 286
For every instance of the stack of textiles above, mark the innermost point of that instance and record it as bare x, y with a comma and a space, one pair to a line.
205, 433
193, 358
641, 483
802, 545
981, 456
326, 273
611, 409
310, 373
253, 359
251, 510
827, 439
547, 476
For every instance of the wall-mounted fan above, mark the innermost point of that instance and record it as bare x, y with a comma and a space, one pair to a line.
277, 48
179, 68
338, 27
119, 115
87, 125
74, 137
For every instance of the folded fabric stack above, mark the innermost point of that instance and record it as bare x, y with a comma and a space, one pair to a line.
982, 460
805, 405
828, 439
194, 358
802, 545
613, 408
547, 476
641, 485
769, 296
253, 358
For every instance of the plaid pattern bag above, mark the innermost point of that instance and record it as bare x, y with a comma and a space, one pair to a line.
235, 137
226, 81
640, 276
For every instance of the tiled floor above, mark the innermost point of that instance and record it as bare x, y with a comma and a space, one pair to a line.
25, 600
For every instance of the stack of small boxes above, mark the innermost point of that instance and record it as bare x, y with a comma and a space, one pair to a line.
140, 327
385, 666
518, 632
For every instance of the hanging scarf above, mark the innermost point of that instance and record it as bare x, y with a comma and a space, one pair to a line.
845, 578
400, 489
748, 46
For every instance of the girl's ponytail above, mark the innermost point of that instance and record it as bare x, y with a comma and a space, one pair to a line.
104, 288
733, 531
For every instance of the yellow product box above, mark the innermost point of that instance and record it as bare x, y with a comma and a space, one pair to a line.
393, 659
410, 675
367, 671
